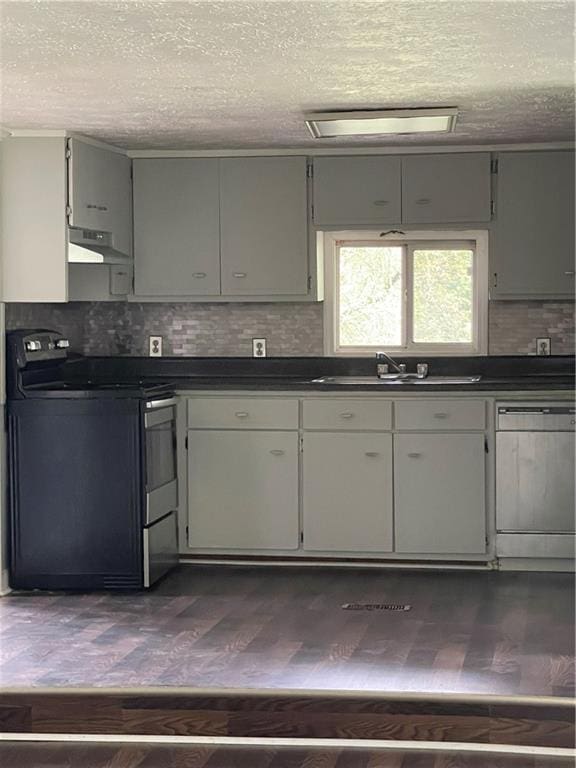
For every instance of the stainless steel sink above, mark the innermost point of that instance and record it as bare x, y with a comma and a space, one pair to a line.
395, 380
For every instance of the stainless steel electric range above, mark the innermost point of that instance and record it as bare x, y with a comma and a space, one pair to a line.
93, 487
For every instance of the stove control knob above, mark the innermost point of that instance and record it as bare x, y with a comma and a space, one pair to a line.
62, 344
33, 346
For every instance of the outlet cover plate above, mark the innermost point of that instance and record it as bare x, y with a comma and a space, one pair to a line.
155, 346
543, 346
258, 347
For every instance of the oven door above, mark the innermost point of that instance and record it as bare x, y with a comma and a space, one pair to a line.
160, 548
161, 466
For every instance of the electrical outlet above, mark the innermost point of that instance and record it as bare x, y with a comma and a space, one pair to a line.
543, 346
258, 347
155, 346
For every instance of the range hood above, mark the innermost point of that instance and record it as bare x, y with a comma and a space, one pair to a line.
89, 246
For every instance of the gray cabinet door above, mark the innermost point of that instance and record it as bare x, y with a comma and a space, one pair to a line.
439, 493
243, 490
347, 492
99, 282
533, 240
176, 227
100, 192
357, 190
440, 189
263, 210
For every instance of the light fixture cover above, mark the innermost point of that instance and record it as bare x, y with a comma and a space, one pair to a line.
328, 125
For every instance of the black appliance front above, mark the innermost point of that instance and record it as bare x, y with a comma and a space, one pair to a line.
75, 493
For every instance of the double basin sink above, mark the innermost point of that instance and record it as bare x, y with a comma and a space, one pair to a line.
400, 379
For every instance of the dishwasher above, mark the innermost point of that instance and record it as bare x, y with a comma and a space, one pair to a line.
535, 479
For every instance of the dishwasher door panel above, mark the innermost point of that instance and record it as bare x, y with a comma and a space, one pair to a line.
535, 482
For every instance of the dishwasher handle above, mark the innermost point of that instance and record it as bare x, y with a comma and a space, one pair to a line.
536, 417
537, 411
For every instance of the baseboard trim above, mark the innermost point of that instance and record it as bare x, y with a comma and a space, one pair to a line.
321, 562
544, 565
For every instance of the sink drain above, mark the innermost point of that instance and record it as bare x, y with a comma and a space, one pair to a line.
376, 607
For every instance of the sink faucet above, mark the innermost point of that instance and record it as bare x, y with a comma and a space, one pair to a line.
382, 367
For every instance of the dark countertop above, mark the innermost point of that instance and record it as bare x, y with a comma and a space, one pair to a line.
269, 383
518, 373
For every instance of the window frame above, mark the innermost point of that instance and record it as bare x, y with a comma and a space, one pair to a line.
410, 240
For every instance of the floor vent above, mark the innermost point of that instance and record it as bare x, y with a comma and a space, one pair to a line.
376, 607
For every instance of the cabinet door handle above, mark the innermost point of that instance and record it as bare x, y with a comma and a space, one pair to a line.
91, 206
372, 454
423, 201
199, 275
239, 274
346, 415
570, 272
414, 455
277, 452
381, 202
440, 415
242, 414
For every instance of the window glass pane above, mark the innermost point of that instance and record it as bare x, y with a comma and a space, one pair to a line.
443, 294
370, 295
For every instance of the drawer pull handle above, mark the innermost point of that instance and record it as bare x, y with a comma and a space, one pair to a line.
242, 414
277, 452
381, 202
423, 201
440, 415
414, 455
346, 415
570, 272
372, 454
199, 275
239, 274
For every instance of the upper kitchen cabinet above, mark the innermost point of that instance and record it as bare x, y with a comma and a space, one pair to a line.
221, 229
176, 227
47, 187
413, 189
263, 226
33, 231
357, 190
100, 192
445, 189
532, 253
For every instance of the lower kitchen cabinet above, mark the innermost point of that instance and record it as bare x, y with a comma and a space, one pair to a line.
439, 493
243, 489
347, 492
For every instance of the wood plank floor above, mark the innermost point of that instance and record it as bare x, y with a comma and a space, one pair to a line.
43, 755
264, 715
467, 632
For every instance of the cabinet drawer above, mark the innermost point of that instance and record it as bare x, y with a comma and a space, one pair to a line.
440, 414
242, 413
347, 414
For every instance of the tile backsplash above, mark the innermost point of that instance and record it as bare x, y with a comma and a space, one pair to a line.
222, 330
203, 330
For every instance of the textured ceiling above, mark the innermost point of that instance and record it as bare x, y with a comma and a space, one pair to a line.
240, 74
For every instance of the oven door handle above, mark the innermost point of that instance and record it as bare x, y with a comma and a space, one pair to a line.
152, 405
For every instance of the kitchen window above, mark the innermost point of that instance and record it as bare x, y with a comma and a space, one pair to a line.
413, 293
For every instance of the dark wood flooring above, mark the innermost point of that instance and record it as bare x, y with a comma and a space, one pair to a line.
49, 755
467, 632
263, 715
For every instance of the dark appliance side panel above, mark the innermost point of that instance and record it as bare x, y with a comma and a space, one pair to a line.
76, 494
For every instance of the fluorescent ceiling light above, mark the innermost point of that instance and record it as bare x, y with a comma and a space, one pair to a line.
326, 125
